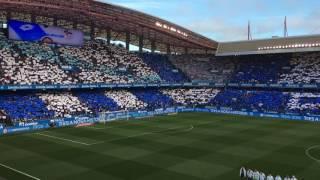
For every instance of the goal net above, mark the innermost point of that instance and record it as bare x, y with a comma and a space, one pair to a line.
112, 116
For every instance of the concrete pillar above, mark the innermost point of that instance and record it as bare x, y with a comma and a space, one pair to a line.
153, 46
33, 18
74, 25
92, 33
8, 15
55, 22
186, 50
168, 49
127, 40
141, 44
108, 36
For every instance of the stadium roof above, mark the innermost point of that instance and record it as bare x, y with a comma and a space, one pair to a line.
270, 46
102, 16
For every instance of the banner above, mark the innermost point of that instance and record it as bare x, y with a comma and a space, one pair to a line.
25, 31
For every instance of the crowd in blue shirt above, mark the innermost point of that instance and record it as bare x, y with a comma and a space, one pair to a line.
24, 106
164, 68
29, 106
97, 101
154, 98
262, 101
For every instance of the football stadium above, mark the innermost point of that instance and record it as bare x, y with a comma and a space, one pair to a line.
75, 104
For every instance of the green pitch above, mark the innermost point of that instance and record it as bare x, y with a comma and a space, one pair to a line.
186, 146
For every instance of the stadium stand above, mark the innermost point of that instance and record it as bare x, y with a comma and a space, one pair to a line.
204, 68
304, 103
64, 104
3, 117
154, 98
126, 100
30, 106
259, 68
303, 68
97, 101
166, 70
100, 63
262, 101
21, 107
25, 63
191, 97
33, 63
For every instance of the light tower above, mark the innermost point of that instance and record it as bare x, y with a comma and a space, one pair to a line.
285, 29
249, 31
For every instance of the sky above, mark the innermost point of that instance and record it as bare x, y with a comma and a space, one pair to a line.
227, 20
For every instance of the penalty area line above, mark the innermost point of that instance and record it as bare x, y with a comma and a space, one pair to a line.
20, 172
68, 140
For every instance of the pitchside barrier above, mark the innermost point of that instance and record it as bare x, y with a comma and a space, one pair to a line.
127, 115
157, 85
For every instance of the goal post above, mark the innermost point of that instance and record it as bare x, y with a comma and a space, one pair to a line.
105, 117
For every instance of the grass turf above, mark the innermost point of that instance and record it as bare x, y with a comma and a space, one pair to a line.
186, 146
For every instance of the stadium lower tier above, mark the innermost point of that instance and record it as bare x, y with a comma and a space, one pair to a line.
23, 106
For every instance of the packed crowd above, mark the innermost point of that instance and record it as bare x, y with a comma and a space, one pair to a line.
154, 98
97, 101
126, 100
30, 106
278, 68
259, 68
304, 68
166, 70
98, 63
304, 103
204, 68
64, 104
191, 97
261, 101
25, 63
24, 107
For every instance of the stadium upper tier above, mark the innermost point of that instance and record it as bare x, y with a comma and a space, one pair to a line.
292, 68
25, 63
97, 19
